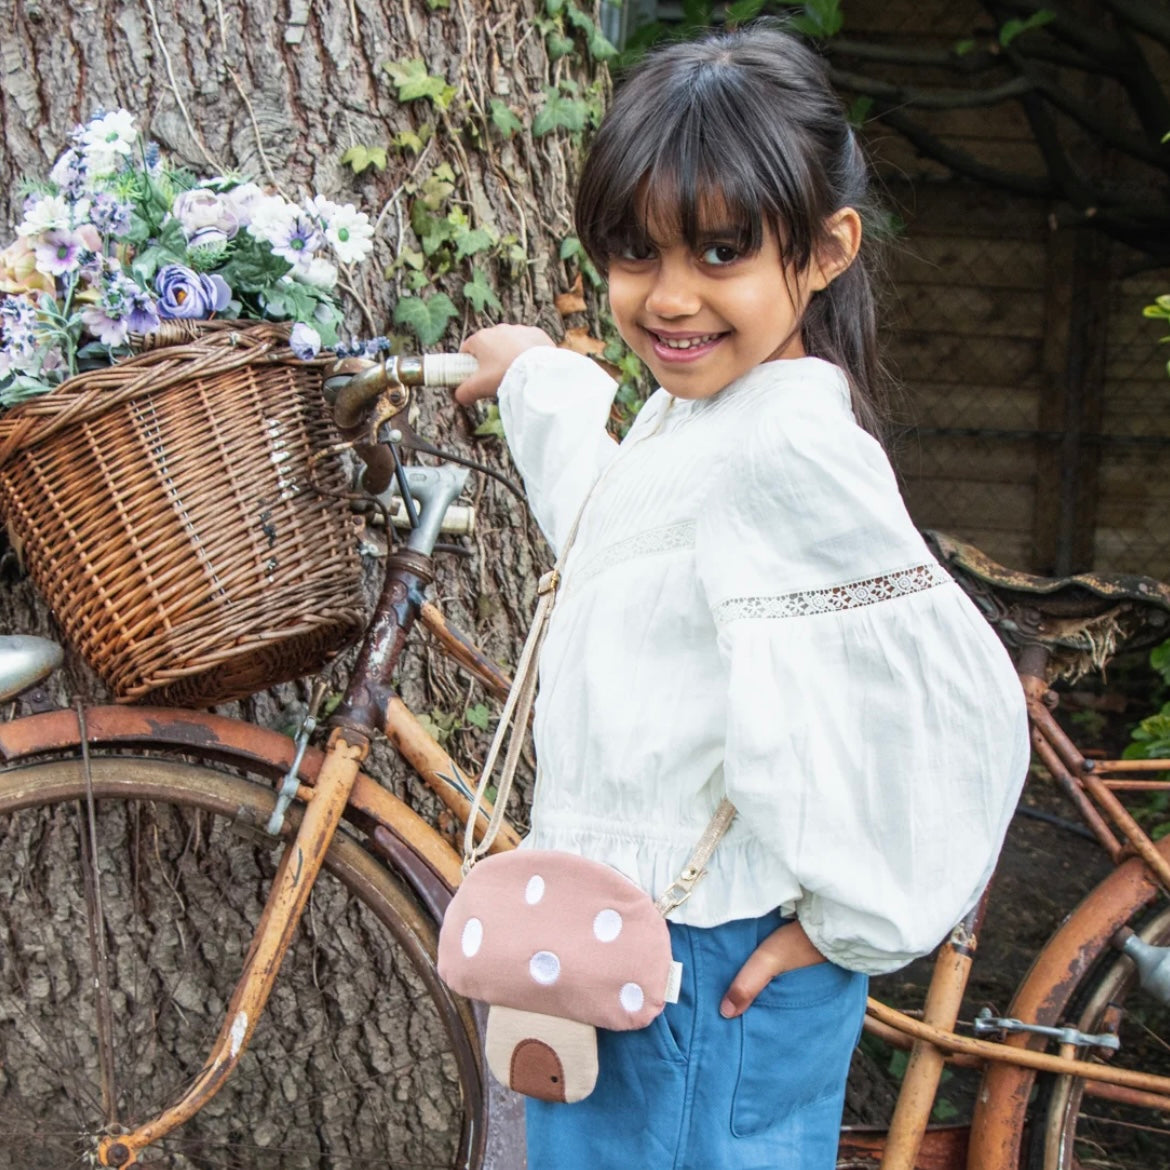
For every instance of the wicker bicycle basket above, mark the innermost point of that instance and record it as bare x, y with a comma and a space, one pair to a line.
171, 512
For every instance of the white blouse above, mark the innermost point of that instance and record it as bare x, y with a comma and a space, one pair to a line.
748, 609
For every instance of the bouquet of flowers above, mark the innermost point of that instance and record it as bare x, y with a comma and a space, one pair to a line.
117, 241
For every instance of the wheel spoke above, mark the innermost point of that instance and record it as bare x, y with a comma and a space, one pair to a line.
96, 927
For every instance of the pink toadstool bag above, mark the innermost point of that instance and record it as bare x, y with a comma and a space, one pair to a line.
555, 944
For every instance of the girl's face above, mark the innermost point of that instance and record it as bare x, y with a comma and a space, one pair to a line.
700, 317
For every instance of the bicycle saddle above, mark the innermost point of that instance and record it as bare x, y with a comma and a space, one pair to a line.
25, 660
1083, 619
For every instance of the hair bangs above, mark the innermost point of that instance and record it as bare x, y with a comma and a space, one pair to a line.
699, 161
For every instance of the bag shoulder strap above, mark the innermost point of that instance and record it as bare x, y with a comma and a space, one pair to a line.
513, 725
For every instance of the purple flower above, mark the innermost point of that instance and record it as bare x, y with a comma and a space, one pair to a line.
297, 240
69, 174
59, 252
185, 293
142, 312
109, 215
304, 341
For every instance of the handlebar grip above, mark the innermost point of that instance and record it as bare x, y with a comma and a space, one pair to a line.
447, 369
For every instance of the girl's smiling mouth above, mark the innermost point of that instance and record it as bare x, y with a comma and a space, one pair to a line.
683, 347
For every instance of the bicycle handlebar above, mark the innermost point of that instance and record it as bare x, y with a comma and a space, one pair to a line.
355, 384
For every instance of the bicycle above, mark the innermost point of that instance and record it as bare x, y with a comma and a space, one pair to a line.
178, 853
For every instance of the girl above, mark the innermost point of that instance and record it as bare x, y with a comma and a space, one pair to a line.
747, 610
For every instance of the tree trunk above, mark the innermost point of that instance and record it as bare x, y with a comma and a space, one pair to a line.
279, 92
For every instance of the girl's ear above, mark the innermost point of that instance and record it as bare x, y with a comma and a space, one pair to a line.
843, 229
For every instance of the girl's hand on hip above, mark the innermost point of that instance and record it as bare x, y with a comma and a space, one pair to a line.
496, 349
785, 949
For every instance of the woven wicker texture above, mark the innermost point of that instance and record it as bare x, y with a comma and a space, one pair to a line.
167, 511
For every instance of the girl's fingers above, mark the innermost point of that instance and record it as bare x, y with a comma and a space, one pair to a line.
785, 949
495, 348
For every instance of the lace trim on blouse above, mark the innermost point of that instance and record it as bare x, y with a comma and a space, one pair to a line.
652, 542
835, 598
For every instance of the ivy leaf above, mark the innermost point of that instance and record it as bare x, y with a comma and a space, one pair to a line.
1014, 28
478, 716
469, 243
744, 10
479, 293
413, 82
558, 45
425, 317
492, 423
434, 5
361, 158
413, 140
560, 113
962, 48
858, 111
820, 19
554, 7
503, 119
570, 247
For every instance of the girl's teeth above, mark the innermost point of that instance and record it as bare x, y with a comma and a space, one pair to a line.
686, 342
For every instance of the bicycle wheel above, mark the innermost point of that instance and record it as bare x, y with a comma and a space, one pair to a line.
361, 1058
1077, 1130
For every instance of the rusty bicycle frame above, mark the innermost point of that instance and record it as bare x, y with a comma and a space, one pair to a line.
332, 785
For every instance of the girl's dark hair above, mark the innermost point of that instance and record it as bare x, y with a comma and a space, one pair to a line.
747, 120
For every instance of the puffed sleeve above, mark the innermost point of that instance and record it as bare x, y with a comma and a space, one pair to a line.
876, 735
554, 405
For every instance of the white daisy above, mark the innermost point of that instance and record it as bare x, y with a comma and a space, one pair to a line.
46, 214
351, 234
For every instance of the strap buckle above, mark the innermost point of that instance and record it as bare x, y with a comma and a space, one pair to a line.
679, 890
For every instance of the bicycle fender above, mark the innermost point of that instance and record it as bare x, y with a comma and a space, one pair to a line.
424, 858
997, 1125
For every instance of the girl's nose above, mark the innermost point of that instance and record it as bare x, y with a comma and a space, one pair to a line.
672, 294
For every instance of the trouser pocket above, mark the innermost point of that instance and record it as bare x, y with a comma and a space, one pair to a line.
796, 1041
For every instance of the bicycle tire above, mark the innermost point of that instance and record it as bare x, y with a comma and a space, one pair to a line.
1069, 1133
362, 1058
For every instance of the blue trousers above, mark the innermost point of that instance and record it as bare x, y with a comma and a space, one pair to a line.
694, 1091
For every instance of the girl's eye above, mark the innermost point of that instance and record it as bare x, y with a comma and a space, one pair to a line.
718, 254
636, 252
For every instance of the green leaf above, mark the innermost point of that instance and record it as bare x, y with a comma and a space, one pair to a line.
470, 243
479, 293
434, 5
413, 140
554, 7
570, 247
426, 318
413, 82
962, 48
478, 716
558, 45
492, 423
744, 10
1160, 655
820, 19
1015, 28
599, 46
436, 191
503, 119
858, 111
560, 113
361, 158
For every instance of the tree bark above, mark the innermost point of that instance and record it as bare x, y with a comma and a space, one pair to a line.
279, 91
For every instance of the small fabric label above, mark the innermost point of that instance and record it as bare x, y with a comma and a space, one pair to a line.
673, 983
